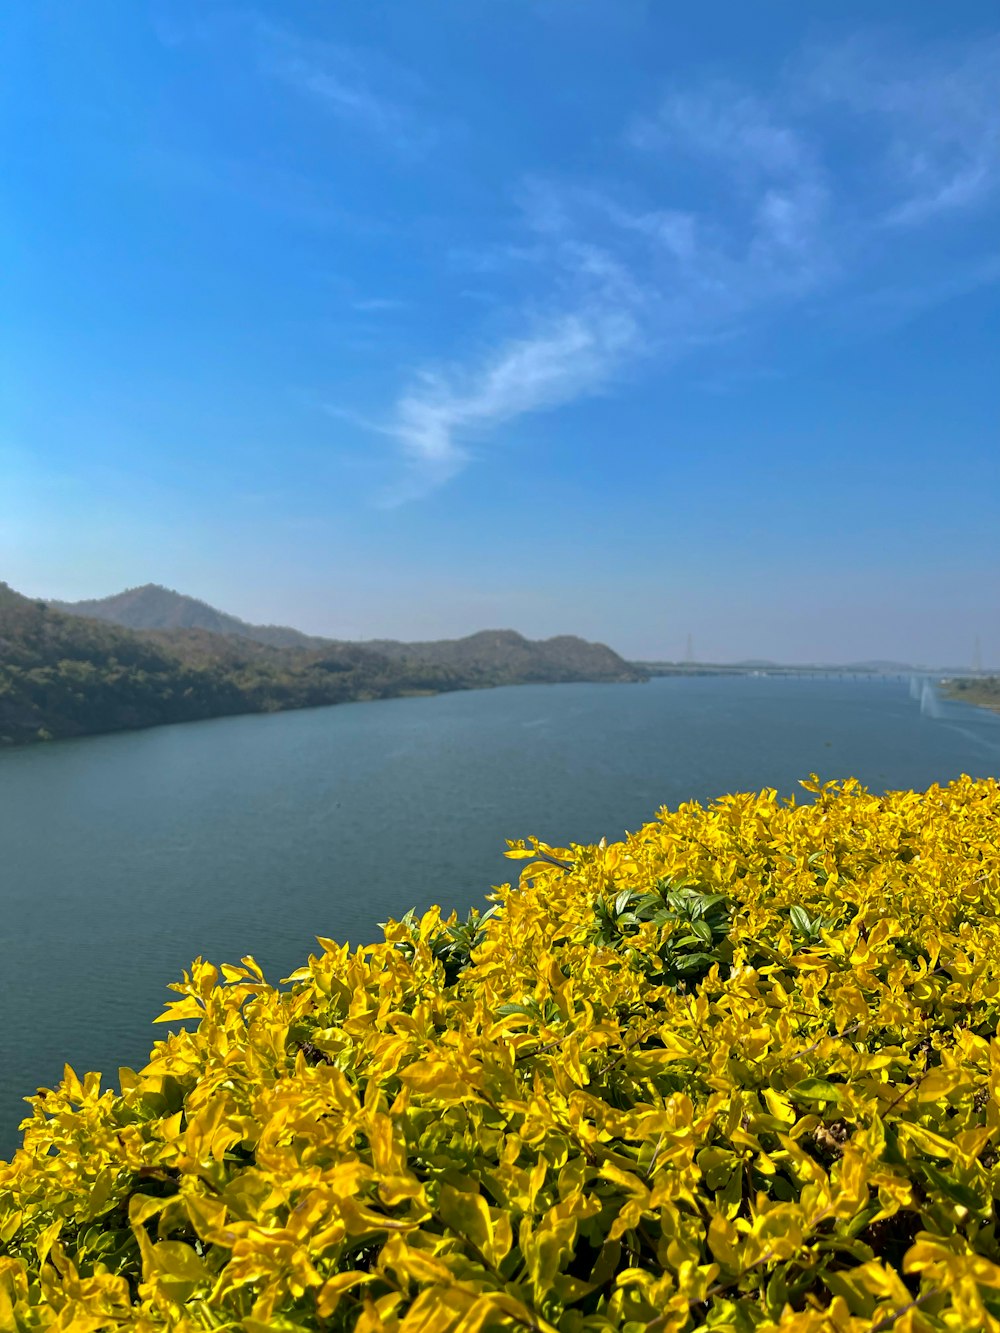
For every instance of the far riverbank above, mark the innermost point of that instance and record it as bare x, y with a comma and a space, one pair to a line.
982, 691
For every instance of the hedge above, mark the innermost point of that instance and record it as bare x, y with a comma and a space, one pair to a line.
739, 1071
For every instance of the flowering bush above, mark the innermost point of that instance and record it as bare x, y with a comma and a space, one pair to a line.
739, 1071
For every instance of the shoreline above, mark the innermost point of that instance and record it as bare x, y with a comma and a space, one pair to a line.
980, 693
31, 742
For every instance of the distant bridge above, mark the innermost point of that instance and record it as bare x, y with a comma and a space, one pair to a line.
807, 672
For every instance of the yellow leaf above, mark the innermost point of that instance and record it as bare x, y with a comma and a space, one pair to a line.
468, 1216
47, 1239
180, 1010
436, 1079
141, 1207
177, 1261
331, 1291
925, 1140
723, 1241
936, 1085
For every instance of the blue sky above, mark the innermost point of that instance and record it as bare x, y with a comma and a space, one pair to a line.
627, 319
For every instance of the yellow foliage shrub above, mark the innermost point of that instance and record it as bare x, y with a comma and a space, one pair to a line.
739, 1071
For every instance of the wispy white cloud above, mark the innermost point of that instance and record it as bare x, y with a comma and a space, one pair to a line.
930, 122
738, 206
370, 94
724, 122
439, 419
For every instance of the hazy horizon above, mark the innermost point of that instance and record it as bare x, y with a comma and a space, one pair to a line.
688, 650
628, 323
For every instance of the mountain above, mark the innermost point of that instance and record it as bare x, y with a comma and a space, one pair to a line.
72, 675
506, 657
69, 675
491, 657
153, 607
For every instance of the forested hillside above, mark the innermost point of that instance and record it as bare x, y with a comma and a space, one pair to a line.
506, 657
63, 675
153, 607
491, 657
72, 675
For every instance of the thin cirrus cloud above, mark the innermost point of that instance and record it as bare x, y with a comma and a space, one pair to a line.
938, 121
370, 96
626, 275
570, 356
367, 93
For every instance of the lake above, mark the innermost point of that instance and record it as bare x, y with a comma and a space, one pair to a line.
123, 857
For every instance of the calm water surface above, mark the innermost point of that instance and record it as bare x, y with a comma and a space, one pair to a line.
123, 857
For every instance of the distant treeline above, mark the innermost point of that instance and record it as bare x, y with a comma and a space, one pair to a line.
981, 690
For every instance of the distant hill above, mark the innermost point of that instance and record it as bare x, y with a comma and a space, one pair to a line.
505, 656
67, 674
491, 657
153, 607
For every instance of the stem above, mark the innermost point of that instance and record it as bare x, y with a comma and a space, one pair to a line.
888, 1320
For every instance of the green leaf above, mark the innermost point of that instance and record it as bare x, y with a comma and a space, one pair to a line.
953, 1189
815, 1090
801, 920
